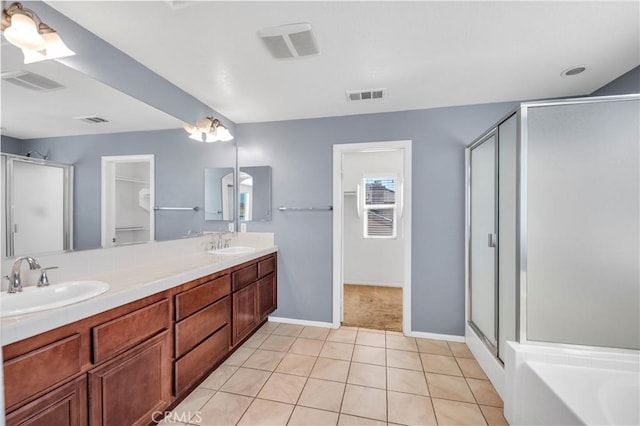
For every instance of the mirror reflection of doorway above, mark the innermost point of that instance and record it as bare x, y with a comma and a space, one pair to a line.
127, 199
245, 197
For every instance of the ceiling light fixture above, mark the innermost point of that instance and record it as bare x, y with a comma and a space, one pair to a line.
23, 28
208, 130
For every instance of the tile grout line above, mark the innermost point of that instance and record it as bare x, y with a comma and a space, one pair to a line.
346, 380
265, 382
306, 381
386, 380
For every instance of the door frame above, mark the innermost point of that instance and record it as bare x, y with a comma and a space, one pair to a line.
492, 133
106, 185
338, 244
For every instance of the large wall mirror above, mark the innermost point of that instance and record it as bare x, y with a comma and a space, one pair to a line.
50, 110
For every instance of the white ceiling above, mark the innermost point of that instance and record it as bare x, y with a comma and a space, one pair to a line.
426, 54
28, 114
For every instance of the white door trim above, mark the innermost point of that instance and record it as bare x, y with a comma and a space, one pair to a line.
338, 151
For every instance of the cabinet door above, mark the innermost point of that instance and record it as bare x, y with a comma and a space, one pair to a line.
64, 406
129, 388
244, 312
267, 296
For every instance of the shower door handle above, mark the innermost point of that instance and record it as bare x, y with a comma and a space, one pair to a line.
491, 240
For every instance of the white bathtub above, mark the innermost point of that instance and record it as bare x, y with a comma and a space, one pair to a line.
552, 386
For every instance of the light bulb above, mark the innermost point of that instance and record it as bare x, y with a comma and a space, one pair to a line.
224, 134
23, 33
196, 136
55, 47
211, 137
31, 56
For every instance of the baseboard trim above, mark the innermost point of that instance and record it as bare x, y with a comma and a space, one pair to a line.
373, 284
435, 336
301, 322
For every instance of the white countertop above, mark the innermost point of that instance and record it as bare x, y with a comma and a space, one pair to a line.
127, 285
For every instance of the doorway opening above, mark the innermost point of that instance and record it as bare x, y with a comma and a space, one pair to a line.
372, 235
127, 199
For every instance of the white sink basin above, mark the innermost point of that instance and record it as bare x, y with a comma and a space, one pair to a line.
233, 250
34, 299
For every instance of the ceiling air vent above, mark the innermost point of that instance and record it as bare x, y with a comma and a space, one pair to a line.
364, 95
93, 119
30, 81
289, 41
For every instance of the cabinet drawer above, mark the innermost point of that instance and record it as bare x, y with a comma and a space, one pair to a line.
198, 326
191, 367
244, 277
125, 332
67, 405
197, 298
266, 266
35, 371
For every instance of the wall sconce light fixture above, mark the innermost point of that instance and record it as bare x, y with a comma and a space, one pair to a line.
23, 28
208, 130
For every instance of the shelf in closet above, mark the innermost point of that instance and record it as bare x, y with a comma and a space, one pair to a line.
131, 180
130, 228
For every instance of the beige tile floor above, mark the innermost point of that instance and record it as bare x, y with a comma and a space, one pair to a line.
294, 375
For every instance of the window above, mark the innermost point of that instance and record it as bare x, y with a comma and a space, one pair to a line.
380, 201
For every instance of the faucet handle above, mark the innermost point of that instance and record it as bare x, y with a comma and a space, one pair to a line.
44, 279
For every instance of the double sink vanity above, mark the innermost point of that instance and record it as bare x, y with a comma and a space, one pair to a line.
172, 314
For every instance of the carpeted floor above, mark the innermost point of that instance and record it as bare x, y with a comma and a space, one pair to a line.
373, 307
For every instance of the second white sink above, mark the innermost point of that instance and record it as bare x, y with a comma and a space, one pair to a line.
233, 250
34, 299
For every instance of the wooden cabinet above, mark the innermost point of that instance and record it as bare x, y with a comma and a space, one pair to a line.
197, 363
121, 366
245, 312
267, 293
128, 389
64, 406
194, 299
42, 368
243, 277
254, 296
122, 333
202, 331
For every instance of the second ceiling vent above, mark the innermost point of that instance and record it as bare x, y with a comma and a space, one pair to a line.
289, 41
31, 81
365, 95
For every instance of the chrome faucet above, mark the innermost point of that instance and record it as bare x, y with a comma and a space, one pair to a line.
220, 242
15, 282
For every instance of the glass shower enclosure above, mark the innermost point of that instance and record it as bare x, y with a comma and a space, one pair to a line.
553, 225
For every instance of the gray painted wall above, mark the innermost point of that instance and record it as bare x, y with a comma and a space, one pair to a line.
179, 170
11, 145
300, 153
628, 82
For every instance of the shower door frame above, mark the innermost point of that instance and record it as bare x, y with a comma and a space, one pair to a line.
492, 133
522, 223
521, 112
